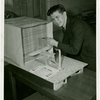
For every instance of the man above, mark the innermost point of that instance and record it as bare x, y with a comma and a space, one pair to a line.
78, 40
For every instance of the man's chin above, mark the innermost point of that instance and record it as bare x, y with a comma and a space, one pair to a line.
60, 25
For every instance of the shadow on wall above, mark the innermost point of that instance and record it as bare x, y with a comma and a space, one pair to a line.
10, 14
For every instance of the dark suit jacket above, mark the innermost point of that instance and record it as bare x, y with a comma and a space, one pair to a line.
79, 41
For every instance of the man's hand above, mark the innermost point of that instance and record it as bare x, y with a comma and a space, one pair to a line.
52, 42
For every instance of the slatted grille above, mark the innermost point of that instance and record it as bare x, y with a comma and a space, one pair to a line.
33, 39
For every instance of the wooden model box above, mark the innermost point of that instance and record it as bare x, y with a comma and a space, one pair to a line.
25, 40
23, 36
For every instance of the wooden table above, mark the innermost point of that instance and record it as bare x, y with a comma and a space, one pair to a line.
79, 87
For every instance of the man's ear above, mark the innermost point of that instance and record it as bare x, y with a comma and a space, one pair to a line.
64, 13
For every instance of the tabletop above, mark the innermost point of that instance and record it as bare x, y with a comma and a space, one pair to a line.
78, 87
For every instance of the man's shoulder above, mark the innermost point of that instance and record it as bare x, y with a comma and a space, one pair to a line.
76, 21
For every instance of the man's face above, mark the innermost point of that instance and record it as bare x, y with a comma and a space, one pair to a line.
58, 18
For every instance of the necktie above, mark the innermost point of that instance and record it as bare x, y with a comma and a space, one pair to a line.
62, 28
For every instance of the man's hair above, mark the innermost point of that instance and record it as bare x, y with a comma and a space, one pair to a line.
58, 7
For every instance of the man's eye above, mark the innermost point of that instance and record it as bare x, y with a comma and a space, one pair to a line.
57, 17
